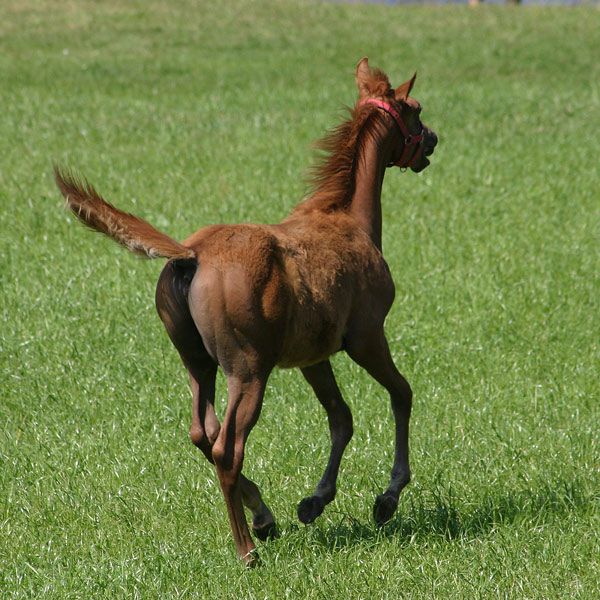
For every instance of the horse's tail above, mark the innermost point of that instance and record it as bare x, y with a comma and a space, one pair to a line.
129, 231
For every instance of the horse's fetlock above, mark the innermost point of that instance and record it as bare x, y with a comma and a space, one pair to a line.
401, 476
326, 492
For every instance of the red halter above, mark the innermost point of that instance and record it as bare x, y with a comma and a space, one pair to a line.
409, 140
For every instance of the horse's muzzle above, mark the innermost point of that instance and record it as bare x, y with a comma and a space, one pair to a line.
430, 140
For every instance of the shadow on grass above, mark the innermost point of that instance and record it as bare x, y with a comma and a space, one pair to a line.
450, 517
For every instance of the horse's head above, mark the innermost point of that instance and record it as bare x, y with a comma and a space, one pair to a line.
418, 140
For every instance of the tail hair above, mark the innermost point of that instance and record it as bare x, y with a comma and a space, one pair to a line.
134, 234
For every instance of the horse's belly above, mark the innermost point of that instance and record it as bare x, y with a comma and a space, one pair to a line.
313, 334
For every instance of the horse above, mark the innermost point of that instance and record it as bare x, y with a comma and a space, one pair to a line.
250, 297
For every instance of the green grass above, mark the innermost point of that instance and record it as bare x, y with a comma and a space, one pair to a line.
190, 113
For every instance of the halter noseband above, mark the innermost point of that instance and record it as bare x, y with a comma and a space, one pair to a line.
409, 140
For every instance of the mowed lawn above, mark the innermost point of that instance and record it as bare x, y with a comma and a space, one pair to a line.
191, 113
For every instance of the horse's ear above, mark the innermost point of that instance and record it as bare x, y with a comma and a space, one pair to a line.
363, 76
402, 91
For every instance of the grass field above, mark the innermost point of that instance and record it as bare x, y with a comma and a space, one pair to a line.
190, 113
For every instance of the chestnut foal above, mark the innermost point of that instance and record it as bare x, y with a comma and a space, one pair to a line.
249, 297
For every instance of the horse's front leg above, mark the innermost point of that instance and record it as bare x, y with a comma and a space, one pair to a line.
371, 351
322, 380
243, 409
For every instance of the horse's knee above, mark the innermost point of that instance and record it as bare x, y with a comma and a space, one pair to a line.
407, 393
404, 395
228, 461
219, 456
346, 423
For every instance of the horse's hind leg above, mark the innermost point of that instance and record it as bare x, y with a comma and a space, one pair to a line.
172, 305
203, 433
243, 409
263, 522
205, 425
373, 354
322, 380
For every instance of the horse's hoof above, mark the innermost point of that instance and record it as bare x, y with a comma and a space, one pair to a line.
251, 560
310, 508
384, 508
266, 532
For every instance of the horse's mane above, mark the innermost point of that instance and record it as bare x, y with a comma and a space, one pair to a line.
331, 182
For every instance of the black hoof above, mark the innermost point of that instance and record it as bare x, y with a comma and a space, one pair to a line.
310, 508
266, 532
384, 508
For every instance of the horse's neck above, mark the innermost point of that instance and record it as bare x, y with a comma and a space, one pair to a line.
365, 206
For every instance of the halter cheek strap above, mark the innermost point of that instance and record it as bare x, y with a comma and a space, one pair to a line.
409, 140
